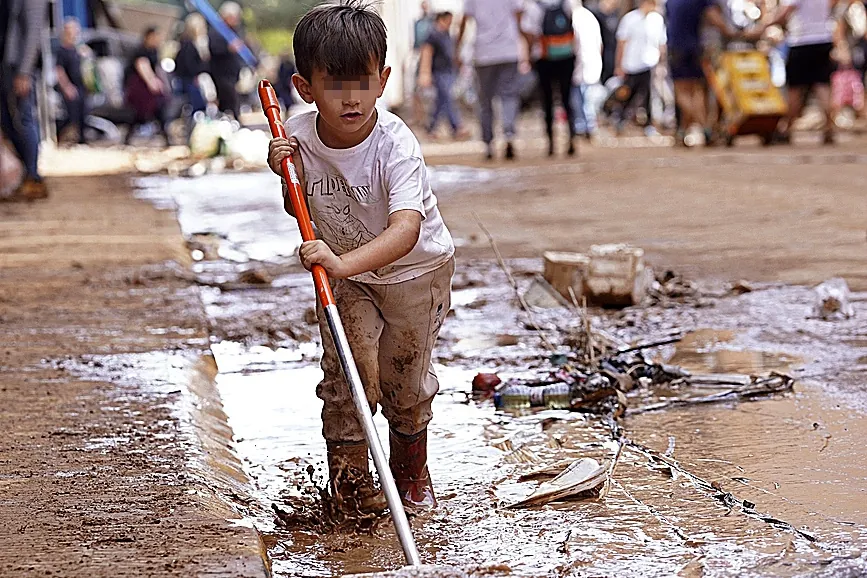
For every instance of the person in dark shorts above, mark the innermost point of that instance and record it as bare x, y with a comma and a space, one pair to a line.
809, 65
685, 59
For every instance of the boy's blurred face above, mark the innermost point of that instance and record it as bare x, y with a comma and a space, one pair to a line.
346, 104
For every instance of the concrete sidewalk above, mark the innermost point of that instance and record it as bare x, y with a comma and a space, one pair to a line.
115, 456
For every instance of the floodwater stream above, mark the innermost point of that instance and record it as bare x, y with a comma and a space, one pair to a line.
799, 457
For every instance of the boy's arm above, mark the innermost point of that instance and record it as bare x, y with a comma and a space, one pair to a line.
404, 181
396, 242
279, 149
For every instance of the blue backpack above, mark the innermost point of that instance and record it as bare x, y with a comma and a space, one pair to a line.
558, 36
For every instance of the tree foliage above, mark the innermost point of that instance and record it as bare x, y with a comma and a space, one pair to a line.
278, 13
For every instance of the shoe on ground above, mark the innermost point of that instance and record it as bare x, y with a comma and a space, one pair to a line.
489, 152
32, 190
462, 134
349, 479
650, 131
408, 462
782, 138
572, 149
828, 138
510, 152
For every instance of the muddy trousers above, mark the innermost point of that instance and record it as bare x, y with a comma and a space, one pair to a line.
391, 330
556, 72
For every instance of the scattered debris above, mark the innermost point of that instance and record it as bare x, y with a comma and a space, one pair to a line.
832, 300
485, 383
776, 383
670, 288
616, 276
255, 277
582, 478
566, 272
541, 295
741, 287
310, 316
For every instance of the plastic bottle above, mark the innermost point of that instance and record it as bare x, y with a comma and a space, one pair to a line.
513, 396
557, 396
518, 396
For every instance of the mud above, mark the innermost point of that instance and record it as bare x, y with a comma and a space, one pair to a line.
114, 459
118, 461
795, 459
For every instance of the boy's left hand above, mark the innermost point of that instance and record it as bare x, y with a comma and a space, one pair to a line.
318, 253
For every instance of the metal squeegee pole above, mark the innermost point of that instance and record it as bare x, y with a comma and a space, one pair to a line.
323, 291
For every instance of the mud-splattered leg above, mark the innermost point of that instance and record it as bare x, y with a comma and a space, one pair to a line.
413, 312
363, 325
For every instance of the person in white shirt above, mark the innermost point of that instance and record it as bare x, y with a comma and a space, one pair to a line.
588, 69
496, 55
811, 40
641, 40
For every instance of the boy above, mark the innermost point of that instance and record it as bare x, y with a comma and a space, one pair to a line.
384, 245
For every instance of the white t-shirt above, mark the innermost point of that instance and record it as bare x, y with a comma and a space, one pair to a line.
810, 23
588, 42
352, 192
644, 36
497, 36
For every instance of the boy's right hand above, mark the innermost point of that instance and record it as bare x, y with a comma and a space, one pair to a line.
281, 148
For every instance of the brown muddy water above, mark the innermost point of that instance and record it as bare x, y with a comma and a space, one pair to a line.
798, 457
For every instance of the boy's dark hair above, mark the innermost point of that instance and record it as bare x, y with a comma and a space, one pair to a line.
443, 15
343, 39
149, 31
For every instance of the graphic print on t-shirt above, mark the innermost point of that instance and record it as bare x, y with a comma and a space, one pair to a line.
330, 185
347, 230
352, 193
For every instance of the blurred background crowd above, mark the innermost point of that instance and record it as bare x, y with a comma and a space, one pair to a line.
695, 72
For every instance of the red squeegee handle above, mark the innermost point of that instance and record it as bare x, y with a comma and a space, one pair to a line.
271, 107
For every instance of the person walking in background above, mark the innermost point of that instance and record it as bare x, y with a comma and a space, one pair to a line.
588, 69
496, 55
225, 63
422, 27
190, 63
437, 69
547, 25
607, 13
809, 66
685, 19
146, 90
70, 83
641, 40
420, 95
22, 23
284, 79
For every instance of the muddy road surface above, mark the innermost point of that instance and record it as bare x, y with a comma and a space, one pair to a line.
765, 216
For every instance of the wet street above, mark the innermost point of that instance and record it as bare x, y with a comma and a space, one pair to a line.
797, 458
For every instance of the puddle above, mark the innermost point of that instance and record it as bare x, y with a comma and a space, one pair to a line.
798, 457
795, 456
714, 351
